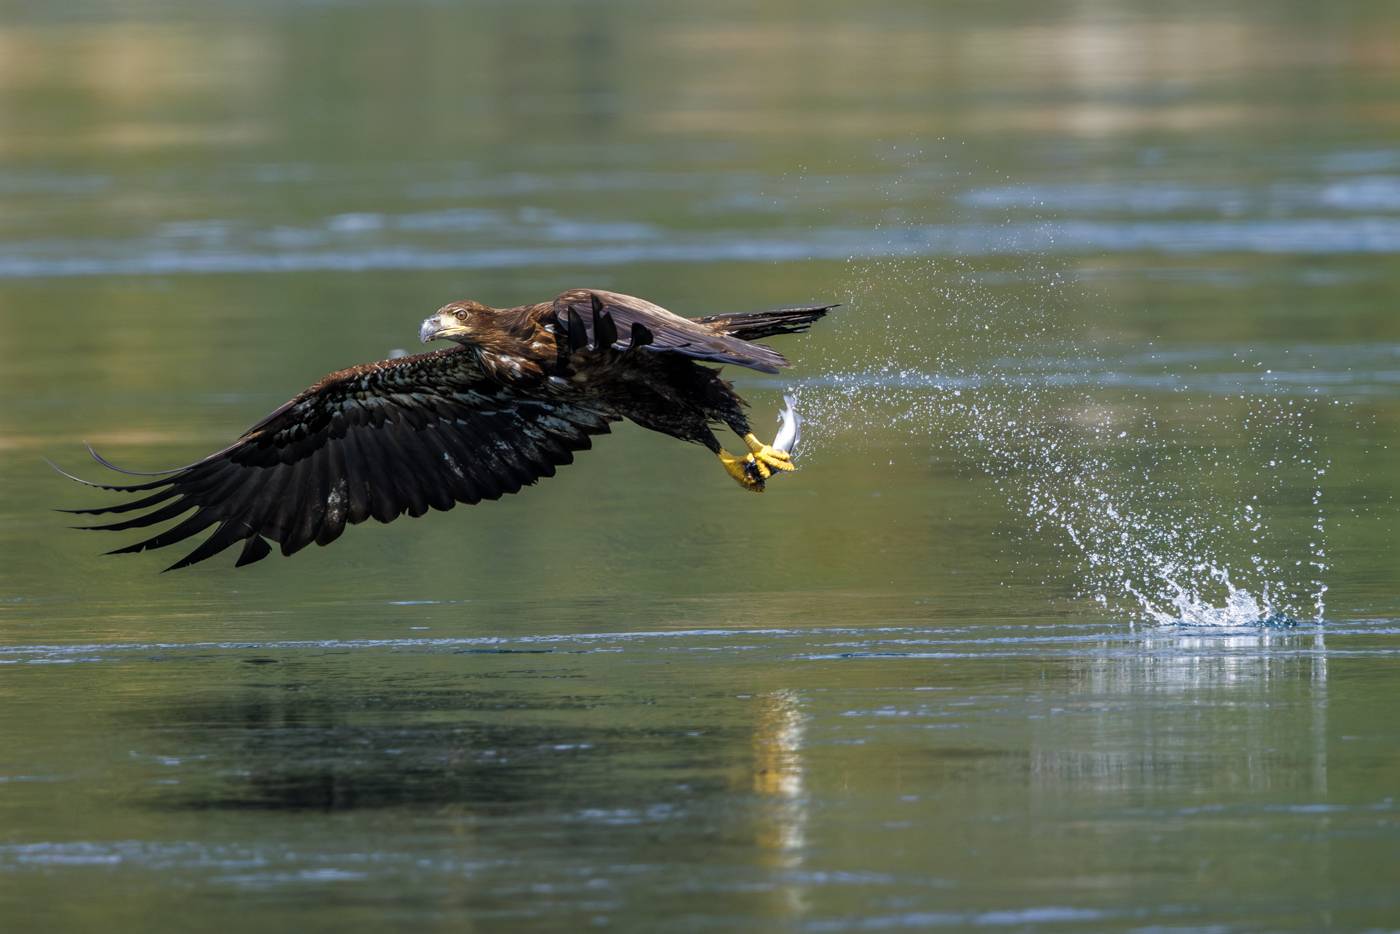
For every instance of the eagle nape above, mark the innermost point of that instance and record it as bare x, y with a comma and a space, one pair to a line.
516, 394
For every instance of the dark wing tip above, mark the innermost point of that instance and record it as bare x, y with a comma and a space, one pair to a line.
256, 549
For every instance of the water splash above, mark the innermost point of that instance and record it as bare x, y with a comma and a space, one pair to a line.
1175, 508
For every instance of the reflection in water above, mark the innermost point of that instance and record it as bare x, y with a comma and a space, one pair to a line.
301, 750
778, 780
1319, 711
1225, 715
572, 784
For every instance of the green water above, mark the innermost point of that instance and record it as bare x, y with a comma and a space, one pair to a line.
885, 695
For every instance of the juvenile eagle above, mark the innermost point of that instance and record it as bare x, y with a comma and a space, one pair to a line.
521, 391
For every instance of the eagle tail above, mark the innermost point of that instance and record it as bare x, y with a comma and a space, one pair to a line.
754, 325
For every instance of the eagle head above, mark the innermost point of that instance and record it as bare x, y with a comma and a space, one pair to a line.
457, 321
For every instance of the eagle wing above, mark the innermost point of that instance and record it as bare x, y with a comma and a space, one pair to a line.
402, 435
593, 318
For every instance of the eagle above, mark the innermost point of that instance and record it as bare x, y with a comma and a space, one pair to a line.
517, 393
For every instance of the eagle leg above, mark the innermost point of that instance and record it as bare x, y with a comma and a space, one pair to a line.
767, 459
745, 470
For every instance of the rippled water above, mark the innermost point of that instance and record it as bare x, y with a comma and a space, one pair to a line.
892, 774
1080, 614
484, 239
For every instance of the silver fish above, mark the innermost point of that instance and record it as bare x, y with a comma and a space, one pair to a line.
789, 427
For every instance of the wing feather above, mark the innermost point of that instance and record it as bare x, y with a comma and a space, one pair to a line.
256, 549
310, 505
224, 537
592, 319
168, 511
142, 503
268, 489
380, 440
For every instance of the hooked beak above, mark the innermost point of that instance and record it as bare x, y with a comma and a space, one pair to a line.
439, 325
429, 329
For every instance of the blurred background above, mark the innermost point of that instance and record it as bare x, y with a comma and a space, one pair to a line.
892, 692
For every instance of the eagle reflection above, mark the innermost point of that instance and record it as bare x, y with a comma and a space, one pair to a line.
284, 750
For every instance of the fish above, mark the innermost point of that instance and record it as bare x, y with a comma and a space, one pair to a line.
789, 427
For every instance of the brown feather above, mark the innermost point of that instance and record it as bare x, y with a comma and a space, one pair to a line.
670, 332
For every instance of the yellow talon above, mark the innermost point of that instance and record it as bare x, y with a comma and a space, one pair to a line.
767, 458
746, 471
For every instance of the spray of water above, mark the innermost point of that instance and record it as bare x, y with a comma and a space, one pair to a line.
1183, 509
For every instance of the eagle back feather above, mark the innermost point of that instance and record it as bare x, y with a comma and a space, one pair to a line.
595, 318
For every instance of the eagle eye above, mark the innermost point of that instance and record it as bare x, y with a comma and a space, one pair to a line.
460, 313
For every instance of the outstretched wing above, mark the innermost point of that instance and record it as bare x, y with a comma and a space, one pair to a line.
592, 317
378, 440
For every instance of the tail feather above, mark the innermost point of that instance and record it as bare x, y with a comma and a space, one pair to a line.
754, 325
